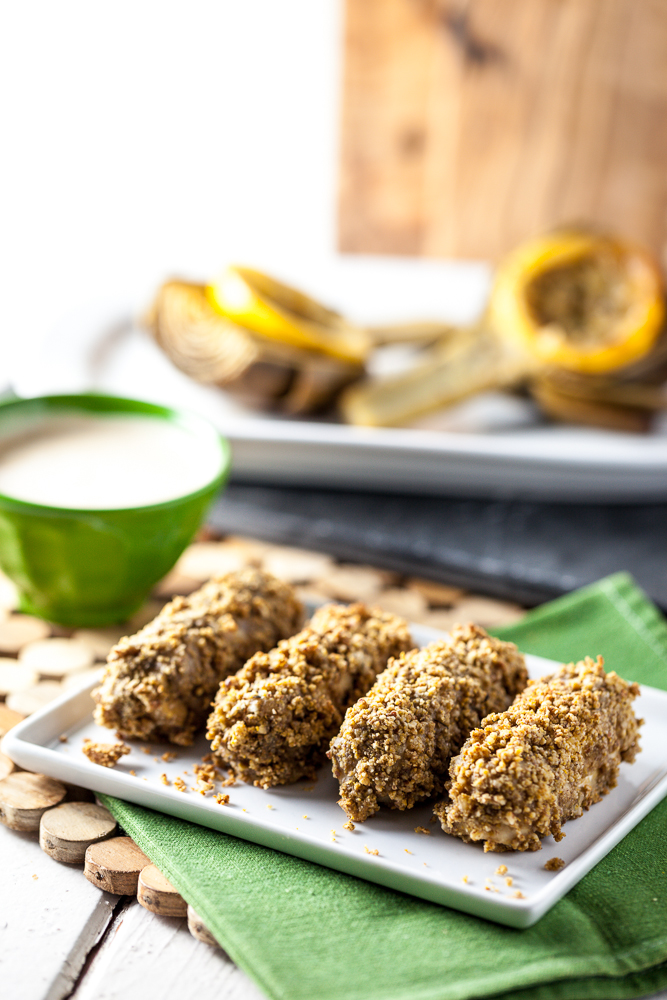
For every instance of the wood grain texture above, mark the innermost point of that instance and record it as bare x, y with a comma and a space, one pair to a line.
50, 918
469, 125
66, 832
114, 865
157, 894
145, 956
25, 797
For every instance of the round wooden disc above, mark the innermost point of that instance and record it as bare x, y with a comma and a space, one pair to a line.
156, 893
35, 697
67, 831
15, 676
198, 928
18, 630
114, 865
57, 657
99, 640
6, 766
8, 719
25, 797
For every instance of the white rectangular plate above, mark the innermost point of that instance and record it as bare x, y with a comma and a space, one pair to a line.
300, 819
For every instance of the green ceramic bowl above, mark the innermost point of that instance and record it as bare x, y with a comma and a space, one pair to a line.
96, 567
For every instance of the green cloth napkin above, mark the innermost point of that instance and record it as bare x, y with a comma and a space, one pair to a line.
304, 932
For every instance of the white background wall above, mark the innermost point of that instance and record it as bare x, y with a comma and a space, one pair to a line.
143, 138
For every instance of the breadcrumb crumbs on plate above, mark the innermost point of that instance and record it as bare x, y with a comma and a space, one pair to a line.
168, 756
518, 895
229, 782
433, 819
63, 738
180, 785
35, 877
304, 816
422, 829
147, 750
205, 786
133, 773
509, 880
374, 851
349, 825
164, 779
269, 806
465, 879
104, 754
222, 800
244, 810
554, 864
501, 870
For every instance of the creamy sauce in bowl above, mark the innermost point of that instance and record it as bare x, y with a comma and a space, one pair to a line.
92, 462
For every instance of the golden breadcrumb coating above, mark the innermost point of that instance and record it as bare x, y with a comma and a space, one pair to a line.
105, 754
273, 720
159, 683
552, 754
396, 743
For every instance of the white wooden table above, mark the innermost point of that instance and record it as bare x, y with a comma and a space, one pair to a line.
60, 937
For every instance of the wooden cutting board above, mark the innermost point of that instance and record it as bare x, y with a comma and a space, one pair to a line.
471, 124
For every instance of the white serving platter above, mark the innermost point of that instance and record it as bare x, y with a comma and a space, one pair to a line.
301, 819
491, 446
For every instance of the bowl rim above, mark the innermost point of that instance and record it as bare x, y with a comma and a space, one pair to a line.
101, 403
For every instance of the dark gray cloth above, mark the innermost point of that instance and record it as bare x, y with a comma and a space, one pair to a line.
526, 552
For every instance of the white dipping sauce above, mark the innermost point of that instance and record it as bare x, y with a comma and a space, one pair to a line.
106, 462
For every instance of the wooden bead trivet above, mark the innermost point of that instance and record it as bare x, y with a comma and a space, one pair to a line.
114, 865
157, 894
18, 630
100, 640
57, 657
33, 698
66, 832
198, 928
8, 719
14, 676
25, 797
6, 766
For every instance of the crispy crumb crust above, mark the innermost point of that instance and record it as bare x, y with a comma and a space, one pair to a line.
550, 756
396, 743
273, 720
104, 754
159, 683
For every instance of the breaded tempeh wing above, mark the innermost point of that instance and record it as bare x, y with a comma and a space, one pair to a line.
552, 754
273, 720
396, 743
159, 683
